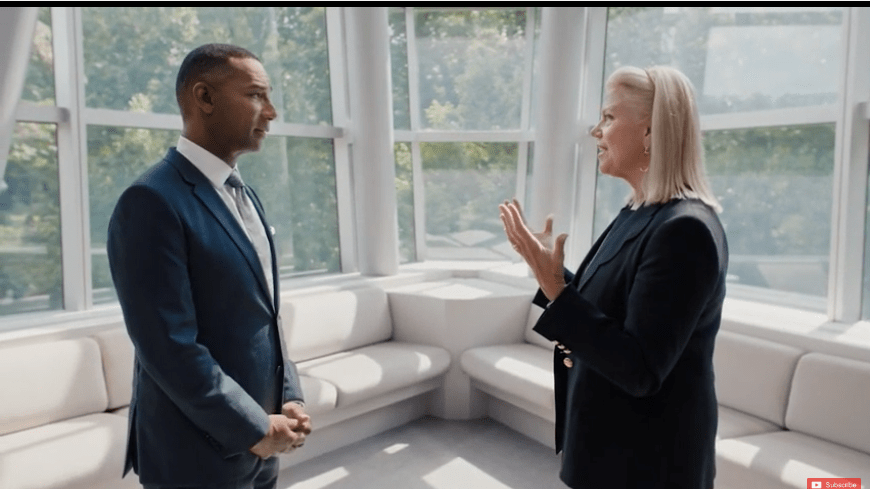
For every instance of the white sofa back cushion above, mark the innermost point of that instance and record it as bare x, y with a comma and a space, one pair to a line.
531, 335
754, 375
331, 322
830, 399
49, 382
117, 352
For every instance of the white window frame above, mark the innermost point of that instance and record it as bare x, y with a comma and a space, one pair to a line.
72, 118
851, 116
416, 135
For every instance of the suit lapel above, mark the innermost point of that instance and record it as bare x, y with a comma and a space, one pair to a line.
205, 193
621, 235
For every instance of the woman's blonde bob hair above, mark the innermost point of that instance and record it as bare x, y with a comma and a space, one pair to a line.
665, 97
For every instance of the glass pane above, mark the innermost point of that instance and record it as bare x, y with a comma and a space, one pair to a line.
295, 179
738, 58
464, 184
775, 186
774, 183
117, 157
399, 67
30, 259
299, 58
39, 81
132, 54
405, 202
471, 68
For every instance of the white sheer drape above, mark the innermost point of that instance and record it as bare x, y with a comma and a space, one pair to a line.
16, 36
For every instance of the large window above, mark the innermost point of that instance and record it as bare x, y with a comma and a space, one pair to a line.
131, 58
98, 108
461, 102
766, 80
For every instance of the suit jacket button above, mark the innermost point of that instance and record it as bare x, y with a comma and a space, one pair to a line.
568, 362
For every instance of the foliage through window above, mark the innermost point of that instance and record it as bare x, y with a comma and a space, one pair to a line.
774, 183
131, 59
30, 260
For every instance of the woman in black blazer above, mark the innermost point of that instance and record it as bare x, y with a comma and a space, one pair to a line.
635, 326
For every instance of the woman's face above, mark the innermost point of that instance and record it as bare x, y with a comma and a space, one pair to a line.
622, 137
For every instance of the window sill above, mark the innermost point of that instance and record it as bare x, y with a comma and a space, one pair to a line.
808, 330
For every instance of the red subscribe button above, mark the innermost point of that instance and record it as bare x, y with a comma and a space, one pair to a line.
833, 482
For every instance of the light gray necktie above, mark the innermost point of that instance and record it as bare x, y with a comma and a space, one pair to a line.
253, 225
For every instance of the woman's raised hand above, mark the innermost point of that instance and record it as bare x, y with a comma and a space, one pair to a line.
545, 258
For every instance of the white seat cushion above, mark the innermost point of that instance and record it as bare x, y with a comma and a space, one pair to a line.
523, 370
118, 358
531, 335
80, 453
325, 323
733, 424
373, 370
830, 399
784, 460
48, 382
320, 395
124, 411
738, 361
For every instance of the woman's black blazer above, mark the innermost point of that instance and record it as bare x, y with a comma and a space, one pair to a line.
637, 408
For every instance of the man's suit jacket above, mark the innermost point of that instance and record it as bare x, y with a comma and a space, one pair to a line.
210, 360
638, 406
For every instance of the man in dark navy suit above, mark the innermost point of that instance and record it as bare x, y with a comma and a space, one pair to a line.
215, 397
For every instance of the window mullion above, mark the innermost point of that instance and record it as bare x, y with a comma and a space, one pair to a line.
416, 162
591, 86
72, 159
526, 108
850, 173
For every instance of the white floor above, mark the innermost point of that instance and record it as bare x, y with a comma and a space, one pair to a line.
433, 453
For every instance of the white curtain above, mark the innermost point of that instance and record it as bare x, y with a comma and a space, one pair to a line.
16, 36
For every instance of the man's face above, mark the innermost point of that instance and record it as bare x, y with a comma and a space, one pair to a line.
242, 109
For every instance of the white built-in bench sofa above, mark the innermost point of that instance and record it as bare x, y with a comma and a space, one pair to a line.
64, 401
786, 414
375, 354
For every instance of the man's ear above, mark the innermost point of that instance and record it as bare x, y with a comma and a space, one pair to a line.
203, 96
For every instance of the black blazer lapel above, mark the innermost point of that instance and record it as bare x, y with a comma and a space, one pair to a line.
623, 234
205, 192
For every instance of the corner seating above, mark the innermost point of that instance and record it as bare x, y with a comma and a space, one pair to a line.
785, 414
357, 380
64, 402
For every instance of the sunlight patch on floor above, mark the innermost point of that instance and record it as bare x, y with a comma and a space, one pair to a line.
323, 480
460, 473
397, 447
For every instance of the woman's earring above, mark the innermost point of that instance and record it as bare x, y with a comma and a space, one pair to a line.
646, 151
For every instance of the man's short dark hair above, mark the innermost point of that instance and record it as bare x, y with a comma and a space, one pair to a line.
205, 59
